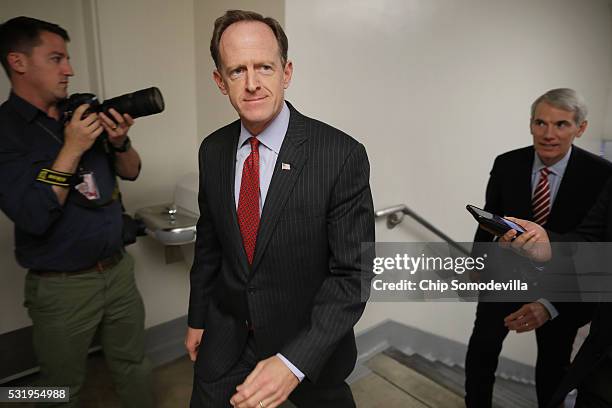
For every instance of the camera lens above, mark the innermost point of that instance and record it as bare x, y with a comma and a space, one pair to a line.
144, 102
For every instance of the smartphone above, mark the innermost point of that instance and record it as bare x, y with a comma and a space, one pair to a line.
493, 222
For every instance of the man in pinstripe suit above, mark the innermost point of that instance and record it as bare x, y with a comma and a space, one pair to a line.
285, 204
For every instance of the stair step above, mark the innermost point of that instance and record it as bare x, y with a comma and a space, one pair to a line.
507, 393
440, 375
413, 383
373, 391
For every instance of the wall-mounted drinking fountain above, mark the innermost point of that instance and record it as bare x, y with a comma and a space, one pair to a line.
174, 224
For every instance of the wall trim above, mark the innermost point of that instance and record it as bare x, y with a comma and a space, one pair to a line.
166, 342
163, 343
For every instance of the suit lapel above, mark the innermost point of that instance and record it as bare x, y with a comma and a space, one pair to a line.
522, 206
569, 181
283, 180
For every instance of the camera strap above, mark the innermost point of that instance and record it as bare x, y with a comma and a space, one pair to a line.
84, 181
46, 129
50, 176
56, 178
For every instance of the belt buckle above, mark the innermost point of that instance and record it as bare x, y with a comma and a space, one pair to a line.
107, 263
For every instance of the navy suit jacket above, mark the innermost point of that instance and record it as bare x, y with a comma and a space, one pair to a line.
509, 193
509, 189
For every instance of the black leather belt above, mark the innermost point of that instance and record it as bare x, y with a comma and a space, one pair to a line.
100, 266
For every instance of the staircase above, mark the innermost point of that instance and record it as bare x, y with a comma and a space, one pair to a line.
400, 380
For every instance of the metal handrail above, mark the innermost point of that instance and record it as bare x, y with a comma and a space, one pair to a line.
396, 214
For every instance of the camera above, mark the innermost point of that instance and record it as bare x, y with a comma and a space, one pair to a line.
144, 102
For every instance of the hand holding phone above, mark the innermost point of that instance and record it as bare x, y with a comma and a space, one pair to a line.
493, 223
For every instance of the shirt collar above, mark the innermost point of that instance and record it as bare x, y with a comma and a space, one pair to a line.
557, 168
273, 135
23, 107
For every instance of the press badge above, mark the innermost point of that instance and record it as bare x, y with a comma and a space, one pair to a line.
88, 186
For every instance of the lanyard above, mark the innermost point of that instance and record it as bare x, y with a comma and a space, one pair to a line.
57, 139
46, 129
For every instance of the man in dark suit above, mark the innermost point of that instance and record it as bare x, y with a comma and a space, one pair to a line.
591, 370
285, 204
544, 182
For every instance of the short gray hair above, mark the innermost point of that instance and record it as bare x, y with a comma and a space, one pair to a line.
566, 99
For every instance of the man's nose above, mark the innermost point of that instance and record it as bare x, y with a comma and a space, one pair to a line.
550, 132
68, 69
252, 81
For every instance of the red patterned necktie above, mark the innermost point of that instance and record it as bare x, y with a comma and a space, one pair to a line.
541, 198
248, 202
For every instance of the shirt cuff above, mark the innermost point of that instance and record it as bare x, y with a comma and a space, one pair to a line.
549, 306
300, 376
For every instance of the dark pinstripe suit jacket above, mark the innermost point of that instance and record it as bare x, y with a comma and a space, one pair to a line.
303, 293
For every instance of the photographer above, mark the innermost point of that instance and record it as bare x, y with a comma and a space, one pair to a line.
59, 187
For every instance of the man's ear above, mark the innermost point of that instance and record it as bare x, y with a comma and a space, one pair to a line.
17, 62
219, 81
582, 128
287, 74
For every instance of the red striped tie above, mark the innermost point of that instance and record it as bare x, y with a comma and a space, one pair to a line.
541, 198
248, 202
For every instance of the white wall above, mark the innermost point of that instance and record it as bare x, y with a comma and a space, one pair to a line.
151, 43
435, 89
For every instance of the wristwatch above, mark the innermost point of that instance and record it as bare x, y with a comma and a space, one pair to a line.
123, 148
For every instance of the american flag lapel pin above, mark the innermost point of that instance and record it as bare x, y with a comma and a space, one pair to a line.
285, 166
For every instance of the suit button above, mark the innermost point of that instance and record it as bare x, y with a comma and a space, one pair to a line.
251, 289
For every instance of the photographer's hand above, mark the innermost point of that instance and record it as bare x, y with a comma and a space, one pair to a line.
117, 127
81, 132
79, 135
127, 163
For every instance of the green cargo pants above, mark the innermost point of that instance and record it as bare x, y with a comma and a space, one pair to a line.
66, 312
